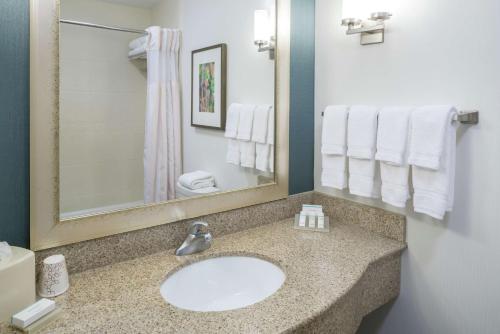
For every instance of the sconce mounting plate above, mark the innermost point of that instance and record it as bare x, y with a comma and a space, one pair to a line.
372, 37
371, 30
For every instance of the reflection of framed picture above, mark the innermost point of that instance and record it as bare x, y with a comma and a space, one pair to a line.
208, 87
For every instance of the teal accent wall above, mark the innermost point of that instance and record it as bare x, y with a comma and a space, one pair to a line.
14, 122
14, 112
302, 97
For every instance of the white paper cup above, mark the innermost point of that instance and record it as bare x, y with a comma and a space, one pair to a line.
53, 280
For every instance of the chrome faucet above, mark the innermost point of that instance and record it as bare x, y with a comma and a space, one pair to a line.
196, 241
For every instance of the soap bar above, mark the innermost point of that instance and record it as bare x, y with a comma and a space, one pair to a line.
302, 220
32, 313
321, 221
312, 221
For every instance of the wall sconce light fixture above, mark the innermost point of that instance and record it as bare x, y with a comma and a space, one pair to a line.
370, 29
263, 36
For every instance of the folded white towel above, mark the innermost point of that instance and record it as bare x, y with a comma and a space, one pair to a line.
270, 127
334, 172
260, 124
233, 120
392, 135
333, 136
271, 158
197, 180
364, 177
138, 42
362, 132
233, 152
246, 122
395, 189
247, 154
429, 128
140, 51
262, 156
392, 142
434, 190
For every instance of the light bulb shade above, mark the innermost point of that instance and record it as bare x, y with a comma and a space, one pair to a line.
262, 26
362, 9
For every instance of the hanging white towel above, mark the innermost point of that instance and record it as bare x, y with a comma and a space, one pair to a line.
245, 123
262, 157
270, 127
364, 177
333, 136
434, 189
233, 120
429, 128
270, 139
334, 172
247, 154
395, 187
271, 158
260, 124
392, 143
392, 135
233, 152
197, 180
362, 132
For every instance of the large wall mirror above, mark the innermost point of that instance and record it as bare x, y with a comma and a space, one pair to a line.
148, 112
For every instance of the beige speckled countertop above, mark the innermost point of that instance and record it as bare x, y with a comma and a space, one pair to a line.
333, 280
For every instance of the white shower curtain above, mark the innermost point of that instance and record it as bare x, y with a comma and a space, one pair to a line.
162, 144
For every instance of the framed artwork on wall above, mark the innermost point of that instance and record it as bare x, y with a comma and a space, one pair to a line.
208, 87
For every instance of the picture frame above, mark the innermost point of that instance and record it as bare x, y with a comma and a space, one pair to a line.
208, 87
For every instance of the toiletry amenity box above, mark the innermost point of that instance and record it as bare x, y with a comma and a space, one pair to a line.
17, 282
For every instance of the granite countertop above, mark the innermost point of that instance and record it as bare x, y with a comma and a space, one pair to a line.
332, 280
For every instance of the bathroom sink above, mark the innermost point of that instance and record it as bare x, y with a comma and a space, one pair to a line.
222, 283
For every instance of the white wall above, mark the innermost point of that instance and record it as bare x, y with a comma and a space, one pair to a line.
167, 13
444, 51
250, 79
103, 98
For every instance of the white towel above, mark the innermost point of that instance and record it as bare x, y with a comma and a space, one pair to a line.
138, 42
434, 190
270, 127
197, 180
247, 154
395, 188
260, 124
233, 152
392, 151
333, 172
262, 156
429, 128
246, 122
362, 132
392, 135
271, 158
333, 136
138, 51
270, 139
364, 177
233, 120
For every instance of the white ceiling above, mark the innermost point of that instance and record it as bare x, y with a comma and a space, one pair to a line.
135, 3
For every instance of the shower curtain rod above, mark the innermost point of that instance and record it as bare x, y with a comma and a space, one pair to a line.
92, 25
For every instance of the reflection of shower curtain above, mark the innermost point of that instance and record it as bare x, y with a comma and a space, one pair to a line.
162, 144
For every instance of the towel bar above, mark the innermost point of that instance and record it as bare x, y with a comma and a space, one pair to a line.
464, 117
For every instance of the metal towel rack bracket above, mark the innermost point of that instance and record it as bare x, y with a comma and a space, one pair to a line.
464, 117
467, 117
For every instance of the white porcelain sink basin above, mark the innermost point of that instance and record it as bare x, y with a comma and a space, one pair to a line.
223, 283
